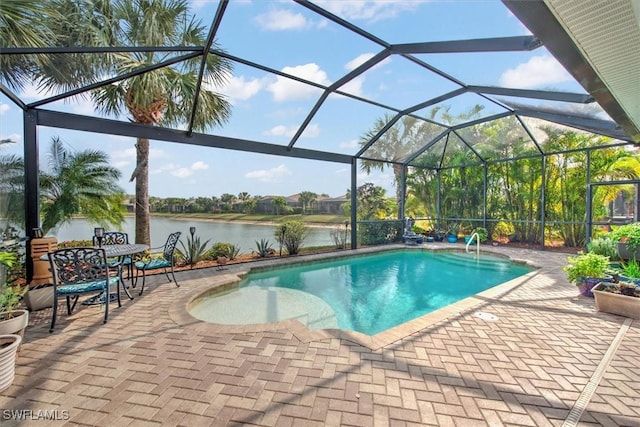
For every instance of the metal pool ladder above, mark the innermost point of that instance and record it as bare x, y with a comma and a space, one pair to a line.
477, 242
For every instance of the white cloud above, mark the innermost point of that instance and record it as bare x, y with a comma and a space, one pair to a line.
537, 72
341, 171
240, 88
358, 60
199, 166
181, 172
83, 106
284, 89
349, 144
354, 86
269, 175
311, 131
4, 108
281, 130
121, 164
279, 20
127, 153
369, 10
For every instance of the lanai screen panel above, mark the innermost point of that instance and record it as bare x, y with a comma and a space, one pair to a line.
546, 133
265, 106
408, 135
287, 36
461, 109
341, 124
503, 138
432, 157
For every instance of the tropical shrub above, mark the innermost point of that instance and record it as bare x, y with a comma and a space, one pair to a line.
603, 246
217, 249
222, 249
232, 251
340, 236
631, 268
482, 233
291, 235
380, 232
586, 265
74, 244
629, 234
263, 246
193, 251
10, 293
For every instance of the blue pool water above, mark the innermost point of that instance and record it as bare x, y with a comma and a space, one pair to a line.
369, 293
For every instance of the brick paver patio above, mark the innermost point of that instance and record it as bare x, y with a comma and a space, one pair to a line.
548, 359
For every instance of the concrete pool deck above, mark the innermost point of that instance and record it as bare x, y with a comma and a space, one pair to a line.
533, 354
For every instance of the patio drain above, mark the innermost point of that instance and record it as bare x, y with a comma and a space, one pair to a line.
486, 316
585, 397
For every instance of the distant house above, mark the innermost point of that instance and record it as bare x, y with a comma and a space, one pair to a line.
330, 205
265, 204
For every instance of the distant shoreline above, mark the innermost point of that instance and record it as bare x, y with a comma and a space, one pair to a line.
282, 218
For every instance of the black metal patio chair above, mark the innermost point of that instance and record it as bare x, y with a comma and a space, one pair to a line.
159, 258
78, 271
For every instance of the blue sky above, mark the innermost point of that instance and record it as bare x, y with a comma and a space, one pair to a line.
287, 37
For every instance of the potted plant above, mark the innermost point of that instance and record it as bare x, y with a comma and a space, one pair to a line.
480, 231
452, 232
622, 298
587, 270
8, 349
12, 319
627, 238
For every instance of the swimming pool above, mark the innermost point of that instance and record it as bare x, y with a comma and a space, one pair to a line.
368, 293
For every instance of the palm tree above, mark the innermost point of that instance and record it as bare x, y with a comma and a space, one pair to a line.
17, 29
279, 203
164, 96
404, 138
80, 183
307, 198
11, 188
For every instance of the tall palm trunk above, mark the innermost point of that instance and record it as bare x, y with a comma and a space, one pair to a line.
143, 235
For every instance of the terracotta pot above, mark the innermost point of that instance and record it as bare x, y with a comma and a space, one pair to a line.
8, 349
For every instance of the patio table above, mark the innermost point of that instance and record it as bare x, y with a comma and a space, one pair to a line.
113, 251
118, 251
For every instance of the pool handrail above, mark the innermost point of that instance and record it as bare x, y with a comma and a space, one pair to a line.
475, 234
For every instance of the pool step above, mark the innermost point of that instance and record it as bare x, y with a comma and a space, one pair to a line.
468, 260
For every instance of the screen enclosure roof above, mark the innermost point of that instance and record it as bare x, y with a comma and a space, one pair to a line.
411, 83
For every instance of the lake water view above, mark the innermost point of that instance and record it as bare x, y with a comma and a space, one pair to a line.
239, 234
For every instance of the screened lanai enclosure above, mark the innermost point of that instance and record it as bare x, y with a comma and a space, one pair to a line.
519, 117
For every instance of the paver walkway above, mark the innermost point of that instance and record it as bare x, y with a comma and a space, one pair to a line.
548, 359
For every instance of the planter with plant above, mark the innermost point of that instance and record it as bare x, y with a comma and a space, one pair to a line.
627, 238
13, 320
9, 344
622, 298
452, 232
586, 271
480, 231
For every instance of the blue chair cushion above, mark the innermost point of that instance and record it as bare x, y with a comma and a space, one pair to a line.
153, 264
115, 262
85, 286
